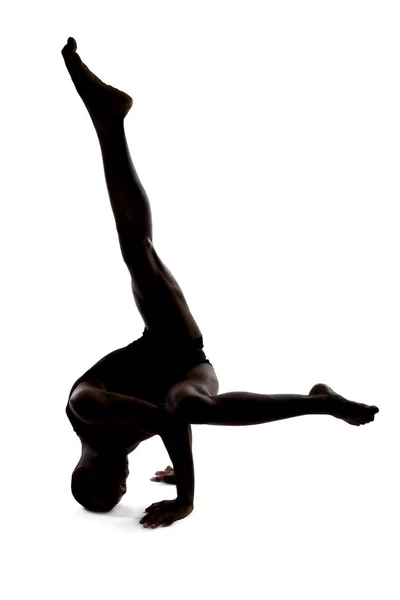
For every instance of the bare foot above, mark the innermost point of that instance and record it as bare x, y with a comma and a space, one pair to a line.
351, 412
102, 101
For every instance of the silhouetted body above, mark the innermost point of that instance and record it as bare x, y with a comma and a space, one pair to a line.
162, 382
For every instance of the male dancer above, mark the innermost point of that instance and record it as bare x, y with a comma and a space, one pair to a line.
162, 382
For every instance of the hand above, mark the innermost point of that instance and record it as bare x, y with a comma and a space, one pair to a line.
165, 513
166, 476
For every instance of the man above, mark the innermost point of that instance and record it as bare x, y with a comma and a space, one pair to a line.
162, 382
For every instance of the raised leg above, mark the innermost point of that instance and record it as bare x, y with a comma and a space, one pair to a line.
107, 108
244, 408
158, 296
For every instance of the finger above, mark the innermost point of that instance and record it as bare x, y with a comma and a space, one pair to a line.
149, 517
145, 518
160, 520
155, 478
155, 519
168, 468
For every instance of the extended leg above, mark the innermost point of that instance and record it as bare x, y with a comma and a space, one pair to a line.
244, 408
233, 408
157, 294
107, 108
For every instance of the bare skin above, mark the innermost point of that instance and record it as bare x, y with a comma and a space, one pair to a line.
168, 474
164, 310
165, 476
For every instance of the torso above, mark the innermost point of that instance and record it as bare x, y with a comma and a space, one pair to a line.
147, 358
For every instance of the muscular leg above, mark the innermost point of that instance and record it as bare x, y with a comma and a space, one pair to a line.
189, 400
157, 294
95, 406
244, 408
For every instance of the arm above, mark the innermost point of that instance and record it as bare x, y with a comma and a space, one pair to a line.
178, 443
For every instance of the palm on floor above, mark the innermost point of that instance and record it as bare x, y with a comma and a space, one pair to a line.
166, 476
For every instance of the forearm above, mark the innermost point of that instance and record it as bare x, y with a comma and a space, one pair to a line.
178, 443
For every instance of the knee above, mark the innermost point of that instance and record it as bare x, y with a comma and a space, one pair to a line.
177, 398
85, 403
185, 402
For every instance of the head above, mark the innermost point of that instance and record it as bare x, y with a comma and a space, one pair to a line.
99, 479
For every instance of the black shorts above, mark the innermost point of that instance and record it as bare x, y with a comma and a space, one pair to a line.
145, 369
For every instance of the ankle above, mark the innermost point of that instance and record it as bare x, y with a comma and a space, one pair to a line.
109, 128
324, 404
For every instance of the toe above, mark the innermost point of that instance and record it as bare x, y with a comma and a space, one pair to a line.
69, 49
72, 44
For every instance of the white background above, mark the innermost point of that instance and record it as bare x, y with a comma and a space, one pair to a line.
267, 137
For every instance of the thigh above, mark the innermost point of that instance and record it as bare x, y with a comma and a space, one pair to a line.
102, 438
87, 384
157, 294
200, 381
